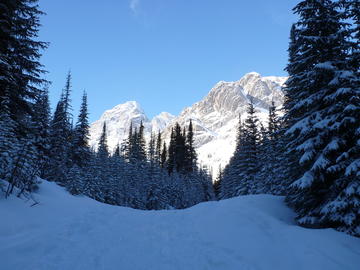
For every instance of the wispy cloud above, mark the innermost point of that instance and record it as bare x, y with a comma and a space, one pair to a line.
134, 5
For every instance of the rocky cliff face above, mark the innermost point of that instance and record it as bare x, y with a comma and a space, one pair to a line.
215, 117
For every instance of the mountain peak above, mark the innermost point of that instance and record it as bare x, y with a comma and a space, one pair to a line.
253, 73
128, 105
214, 118
118, 121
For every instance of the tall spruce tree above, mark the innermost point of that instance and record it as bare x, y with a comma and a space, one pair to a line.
250, 153
158, 149
171, 152
67, 97
141, 144
9, 144
42, 130
180, 150
103, 151
190, 153
322, 109
151, 150
164, 156
20, 71
128, 144
271, 178
80, 148
59, 145
20, 84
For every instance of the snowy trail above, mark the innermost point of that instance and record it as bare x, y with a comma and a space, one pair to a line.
251, 232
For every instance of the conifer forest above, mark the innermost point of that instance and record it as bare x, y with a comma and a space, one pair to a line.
307, 151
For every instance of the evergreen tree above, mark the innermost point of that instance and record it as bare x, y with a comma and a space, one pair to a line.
59, 145
322, 109
250, 153
20, 72
75, 180
180, 150
190, 153
151, 150
80, 147
351, 11
20, 83
271, 150
171, 152
117, 152
241, 174
103, 151
163, 156
141, 144
128, 144
66, 97
9, 144
23, 173
41, 124
158, 149
273, 123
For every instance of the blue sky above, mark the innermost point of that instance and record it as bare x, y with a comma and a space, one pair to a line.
165, 54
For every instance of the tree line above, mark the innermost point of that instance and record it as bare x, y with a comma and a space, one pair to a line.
312, 153
144, 176
37, 144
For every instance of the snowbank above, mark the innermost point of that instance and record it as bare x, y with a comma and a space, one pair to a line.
250, 232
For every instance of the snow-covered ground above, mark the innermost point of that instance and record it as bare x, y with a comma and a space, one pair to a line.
250, 232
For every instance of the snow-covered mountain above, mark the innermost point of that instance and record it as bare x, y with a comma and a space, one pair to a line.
118, 121
215, 117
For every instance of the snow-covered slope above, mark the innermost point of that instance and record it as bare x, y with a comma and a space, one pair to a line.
215, 117
249, 232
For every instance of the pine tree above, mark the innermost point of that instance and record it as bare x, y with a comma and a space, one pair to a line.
351, 10
59, 145
171, 152
271, 157
151, 150
250, 153
66, 97
241, 175
190, 153
9, 144
80, 147
117, 152
128, 144
75, 180
20, 83
103, 151
141, 144
158, 149
273, 122
322, 109
179, 148
20, 72
23, 172
42, 130
163, 156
